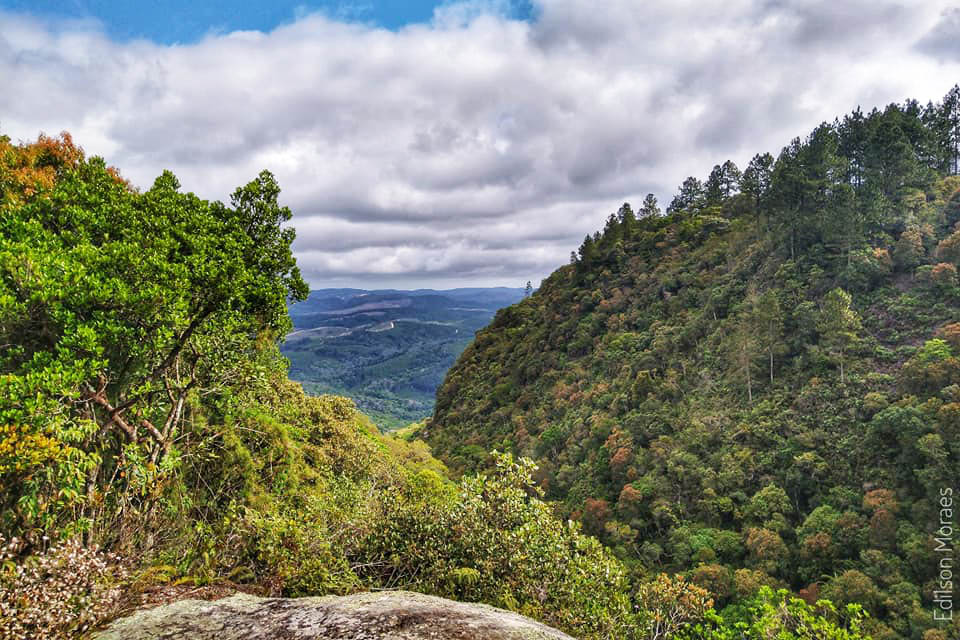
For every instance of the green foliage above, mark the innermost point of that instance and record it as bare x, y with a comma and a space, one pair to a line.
754, 363
838, 324
778, 615
495, 541
119, 307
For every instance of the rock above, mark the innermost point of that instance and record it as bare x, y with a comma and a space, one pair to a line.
387, 615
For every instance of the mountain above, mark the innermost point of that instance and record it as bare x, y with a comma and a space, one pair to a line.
761, 386
386, 349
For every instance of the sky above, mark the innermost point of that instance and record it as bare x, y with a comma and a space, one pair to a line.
472, 143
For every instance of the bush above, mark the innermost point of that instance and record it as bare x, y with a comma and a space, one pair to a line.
495, 541
59, 593
777, 614
671, 604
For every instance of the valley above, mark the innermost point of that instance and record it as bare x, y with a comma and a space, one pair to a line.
388, 350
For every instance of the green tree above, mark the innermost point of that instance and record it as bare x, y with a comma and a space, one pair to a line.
839, 325
743, 346
723, 182
756, 178
121, 305
944, 121
690, 196
948, 249
854, 133
650, 208
769, 318
627, 219
908, 251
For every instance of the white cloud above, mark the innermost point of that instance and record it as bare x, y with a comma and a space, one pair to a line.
474, 149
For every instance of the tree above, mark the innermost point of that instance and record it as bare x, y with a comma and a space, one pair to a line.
670, 604
713, 187
789, 193
743, 347
627, 218
908, 251
948, 250
650, 208
587, 249
944, 120
730, 178
756, 178
724, 181
124, 304
690, 196
853, 133
769, 318
838, 324
891, 162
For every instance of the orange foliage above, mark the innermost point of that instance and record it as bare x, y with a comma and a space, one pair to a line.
951, 333
596, 512
29, 169
944, 274
881, 499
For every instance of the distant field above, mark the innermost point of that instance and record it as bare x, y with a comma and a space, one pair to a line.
388, 350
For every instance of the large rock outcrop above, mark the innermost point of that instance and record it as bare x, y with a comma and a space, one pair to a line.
387, 615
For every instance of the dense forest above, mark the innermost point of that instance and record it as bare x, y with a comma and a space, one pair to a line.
758, 386
152, 446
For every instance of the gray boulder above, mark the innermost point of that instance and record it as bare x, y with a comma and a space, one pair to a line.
387, 615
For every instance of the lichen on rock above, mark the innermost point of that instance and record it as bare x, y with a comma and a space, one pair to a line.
386, 615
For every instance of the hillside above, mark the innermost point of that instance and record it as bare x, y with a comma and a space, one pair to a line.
388, 350
761, 386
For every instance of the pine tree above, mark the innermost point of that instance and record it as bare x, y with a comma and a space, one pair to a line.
628, 219
730, 177
756, 179
713, 188
950, 113
769, 321
650, 208
853, 133
839, 325
743, 347
690, 196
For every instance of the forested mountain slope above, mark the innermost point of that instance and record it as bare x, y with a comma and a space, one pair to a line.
761, 385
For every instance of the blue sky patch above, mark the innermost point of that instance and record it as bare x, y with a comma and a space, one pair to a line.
184, 21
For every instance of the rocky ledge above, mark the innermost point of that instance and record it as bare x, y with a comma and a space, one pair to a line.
387, 615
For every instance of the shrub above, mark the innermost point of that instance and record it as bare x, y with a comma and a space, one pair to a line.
58, 593
495, 541
778, 615
671, 604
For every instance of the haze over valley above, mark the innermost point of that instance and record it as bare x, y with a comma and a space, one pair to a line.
388, 350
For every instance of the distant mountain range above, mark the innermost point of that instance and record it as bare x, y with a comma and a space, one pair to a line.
387, 349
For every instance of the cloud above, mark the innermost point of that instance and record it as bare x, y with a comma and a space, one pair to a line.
476, 149
943, 40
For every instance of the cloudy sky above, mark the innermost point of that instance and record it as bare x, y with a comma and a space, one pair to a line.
455, 144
